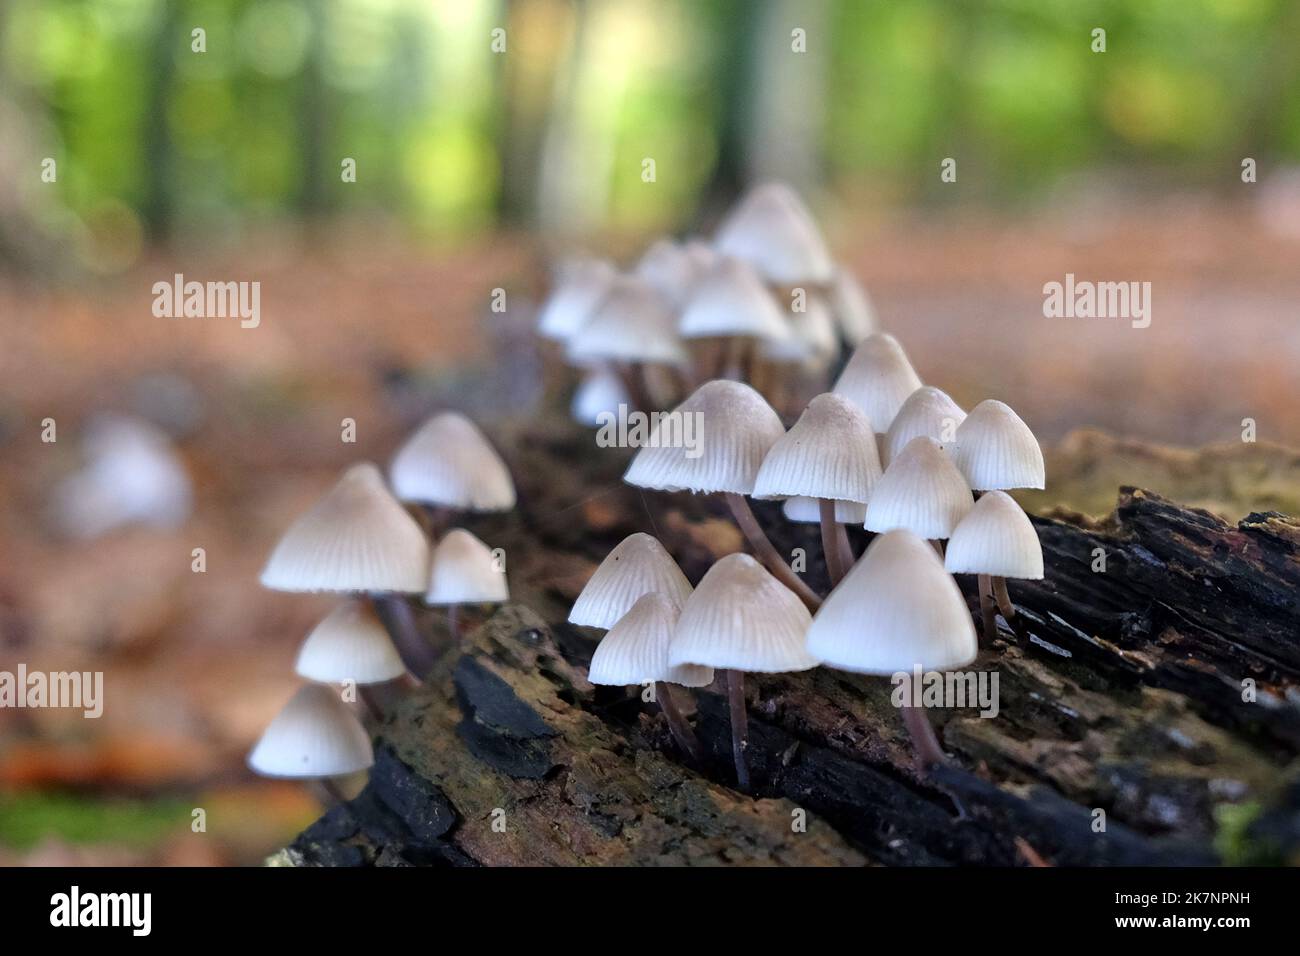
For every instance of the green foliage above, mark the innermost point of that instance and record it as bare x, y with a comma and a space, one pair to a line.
27, 819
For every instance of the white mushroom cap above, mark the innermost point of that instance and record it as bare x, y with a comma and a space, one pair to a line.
896, 609
995, 449
927, 411
635, 651
996, 538
922, 491
812, 338
356, 538
879, 378
808, 511
736, 430
349, 644
600, 391
315, 735
670, 268
730, 299
773, 230
450, 462
638, 565
854, 314
579, 290
829, 453
740, 617
633, 323
465, 571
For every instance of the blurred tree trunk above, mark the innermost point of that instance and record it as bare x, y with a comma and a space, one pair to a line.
156, 209
313, 194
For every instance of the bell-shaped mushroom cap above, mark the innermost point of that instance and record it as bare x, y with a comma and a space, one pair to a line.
922, 491
670, 268
878, 378
635, 651
315, 735
736, 429
853, 311
741, 617
638, 565
995, 449
600, 391
773, 230
812, 338
730, 299
356, 538
895, 610
927, 411
829, 453
349, 644
577, 293
465, 571
449, 462
996, 538
633, 323
808, 511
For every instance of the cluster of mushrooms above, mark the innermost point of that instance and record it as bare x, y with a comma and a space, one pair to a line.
381, 546
880, 449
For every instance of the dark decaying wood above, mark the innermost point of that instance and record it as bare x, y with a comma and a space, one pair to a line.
1123, 698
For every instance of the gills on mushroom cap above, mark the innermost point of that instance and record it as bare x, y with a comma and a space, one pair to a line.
878, 378
638, 565
773, 230
895, 610
449, 462
738, 428
465, 571
356, 538
315, 735
996, 450
741, 618
350, 644
997, 539
922, 491
829, 453
927, 411
635, 651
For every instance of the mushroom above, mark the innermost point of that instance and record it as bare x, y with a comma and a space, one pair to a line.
465, 571
878, 378
851, 306
996, 451
830, 455
638, 565
811, 346
922, 491
898, 609
358, 538
809, 511
632, 326
995, 541
600, 392
731, 306
351, 645
772, 229
575, 297
740, 619
635, 651
927, 411
314, 736
739, 428
671, 269
449, 465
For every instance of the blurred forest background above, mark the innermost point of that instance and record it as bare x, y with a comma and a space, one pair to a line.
475, 169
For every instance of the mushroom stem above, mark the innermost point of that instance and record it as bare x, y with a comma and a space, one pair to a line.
633, 383
327, 792
938, 546
733, 361
739, 725
439, 516
681, 730
399, 622
988, 619
928, 751
766, 552
835, 541
1003, 598
371, 697
453, 620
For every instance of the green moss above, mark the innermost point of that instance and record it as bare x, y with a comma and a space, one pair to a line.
1233, 840
27, 819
